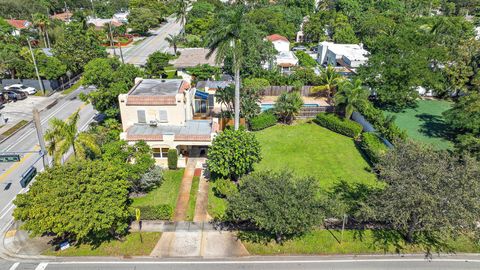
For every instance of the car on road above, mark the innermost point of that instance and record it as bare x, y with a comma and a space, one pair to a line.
15, 95
23, 88
299, 48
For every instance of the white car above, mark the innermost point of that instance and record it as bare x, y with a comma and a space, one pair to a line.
23, 88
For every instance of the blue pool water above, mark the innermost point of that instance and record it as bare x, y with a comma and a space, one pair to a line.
267, 106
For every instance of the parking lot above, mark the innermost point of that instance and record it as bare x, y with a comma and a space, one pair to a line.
14, 112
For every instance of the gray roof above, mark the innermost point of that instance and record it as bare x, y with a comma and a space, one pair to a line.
214, 84
157, 87
193, 127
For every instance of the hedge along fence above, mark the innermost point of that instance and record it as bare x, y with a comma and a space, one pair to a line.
157, 212
336, 124
278, 90
373, 146
368, 127
263, 121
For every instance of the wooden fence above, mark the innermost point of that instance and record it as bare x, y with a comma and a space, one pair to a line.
278, 90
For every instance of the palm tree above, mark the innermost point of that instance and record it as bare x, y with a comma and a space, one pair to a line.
173, 40
288, 106
41, 21
226, 39
63, 134
181, 11
351, 96
329, 80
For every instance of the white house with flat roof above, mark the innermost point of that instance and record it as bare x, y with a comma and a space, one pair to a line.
285, 59
161, 112
343, 56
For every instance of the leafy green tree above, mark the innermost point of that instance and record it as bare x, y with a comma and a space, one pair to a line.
233, 154
204, 72
351, 96
305, 60
151, 179
277, 203
77, 46
156, 64
41, 21
141, 20
63, 135
82, 201
288, 106
428, 196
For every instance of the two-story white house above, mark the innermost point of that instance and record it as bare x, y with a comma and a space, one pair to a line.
285, 59
161, 112
342, 56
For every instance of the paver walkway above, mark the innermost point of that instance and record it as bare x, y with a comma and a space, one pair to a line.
184, 192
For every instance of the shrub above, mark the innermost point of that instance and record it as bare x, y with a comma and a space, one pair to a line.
343, 126
172, 159
383, 124
373, 146
158, 212
263, 121
224, 188
151, 179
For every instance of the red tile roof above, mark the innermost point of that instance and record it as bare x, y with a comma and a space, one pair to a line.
19, 24
145, 137
185, 86
276, 37
65, 16
196, 138
150, 100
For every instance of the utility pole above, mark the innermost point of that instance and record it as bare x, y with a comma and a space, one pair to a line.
93, 9
41, 140
36, 68
121, 52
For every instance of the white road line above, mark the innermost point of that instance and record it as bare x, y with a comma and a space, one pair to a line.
266, 262
6, 212
14, 266
41, 266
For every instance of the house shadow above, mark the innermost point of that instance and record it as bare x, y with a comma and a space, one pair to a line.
435, 127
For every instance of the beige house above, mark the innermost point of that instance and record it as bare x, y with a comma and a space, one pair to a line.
161, 112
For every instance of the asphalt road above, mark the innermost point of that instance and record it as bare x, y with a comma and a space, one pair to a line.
274, 263
26, 141
138, 55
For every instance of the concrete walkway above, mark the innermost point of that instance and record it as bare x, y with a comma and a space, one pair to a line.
184, 192
201, 206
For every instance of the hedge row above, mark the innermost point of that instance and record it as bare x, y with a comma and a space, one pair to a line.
159, 212
263, 121
373, 146
383, 124
343, 126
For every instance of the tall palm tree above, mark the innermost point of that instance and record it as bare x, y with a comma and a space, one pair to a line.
351, 96
173, 40
226, 39
62, 135
329, 80
181, 11
41, 21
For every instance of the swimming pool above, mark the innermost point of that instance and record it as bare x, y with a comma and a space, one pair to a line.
267, 106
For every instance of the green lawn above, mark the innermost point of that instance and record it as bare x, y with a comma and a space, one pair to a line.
193, 198
14, 128
216, 206
134, 244
309, 149
425, 123
167, 193
325, 242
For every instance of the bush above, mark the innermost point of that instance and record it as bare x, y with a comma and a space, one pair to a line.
151, 179
373, 146
343, 126
263, 121
383, 124
172, 159
159, 212
224, 188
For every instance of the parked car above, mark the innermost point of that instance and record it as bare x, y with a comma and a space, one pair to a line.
15, 95
299, 48
23, 88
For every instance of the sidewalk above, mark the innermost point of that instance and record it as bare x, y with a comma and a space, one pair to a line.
184, 192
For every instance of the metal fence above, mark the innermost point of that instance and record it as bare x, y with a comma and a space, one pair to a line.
311, 112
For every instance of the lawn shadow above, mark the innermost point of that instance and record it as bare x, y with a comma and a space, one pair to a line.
434, 126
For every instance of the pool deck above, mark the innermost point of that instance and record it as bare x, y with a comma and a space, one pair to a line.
321, 101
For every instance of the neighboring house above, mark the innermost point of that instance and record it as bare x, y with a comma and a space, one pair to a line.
19, 25
210, 88
345, 57
64, 17
300, 35
101, 23
121, 17
285, 59
191, 57
161, 112
477, 31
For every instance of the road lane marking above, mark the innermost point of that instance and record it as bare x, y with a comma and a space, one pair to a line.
14, 266
264, 262
41, 266
6, 212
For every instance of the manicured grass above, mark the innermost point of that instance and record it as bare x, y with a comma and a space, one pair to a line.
134, 244
16, 127
73, 87
167, 193
309, 149
325, 242
193, 198
425, 123
216, 206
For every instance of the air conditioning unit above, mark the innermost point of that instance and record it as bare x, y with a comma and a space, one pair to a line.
153, 123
